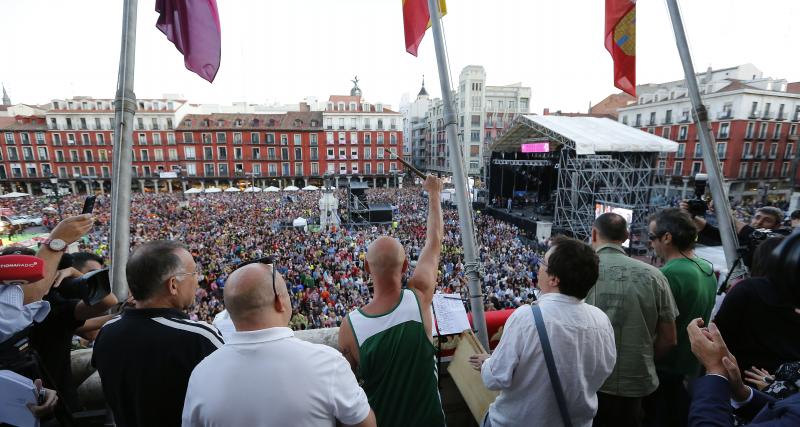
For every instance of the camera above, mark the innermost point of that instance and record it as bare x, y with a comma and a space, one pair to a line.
92, 287
698, 206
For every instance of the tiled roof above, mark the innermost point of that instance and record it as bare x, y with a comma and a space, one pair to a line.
227, 121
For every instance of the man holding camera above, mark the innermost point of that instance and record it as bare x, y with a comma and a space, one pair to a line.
766, 217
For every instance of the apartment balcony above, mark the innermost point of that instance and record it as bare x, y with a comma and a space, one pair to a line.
780, 117
754, 114
796, 117
638, 124
666, 121
330, 157
724, 115
767, 116
747, 156
684, 119
353, 157
342, 157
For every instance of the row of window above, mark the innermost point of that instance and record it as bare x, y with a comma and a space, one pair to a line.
758, 130
297, 138
365, 123
745, 169
109, 105
98, 123
726, 113
190, 153
285, 169
747, 151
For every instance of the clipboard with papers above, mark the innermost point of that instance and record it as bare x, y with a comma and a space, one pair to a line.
450, 316
17, 392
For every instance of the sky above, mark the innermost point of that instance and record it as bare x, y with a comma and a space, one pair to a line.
284, 51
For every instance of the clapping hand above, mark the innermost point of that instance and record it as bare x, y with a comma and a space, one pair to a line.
758, 377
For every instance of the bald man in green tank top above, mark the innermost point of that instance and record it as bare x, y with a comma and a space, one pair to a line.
388, 341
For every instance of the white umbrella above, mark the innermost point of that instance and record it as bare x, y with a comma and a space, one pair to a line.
272, 189
252, 190
310, 188
291, 188
300, 222
231, 190
193, 191
213, 190
14, 195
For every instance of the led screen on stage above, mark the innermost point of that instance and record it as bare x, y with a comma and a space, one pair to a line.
536, 147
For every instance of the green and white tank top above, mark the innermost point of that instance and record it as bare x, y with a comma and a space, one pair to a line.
397, 365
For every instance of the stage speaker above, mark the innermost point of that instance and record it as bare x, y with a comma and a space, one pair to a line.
358, 191
380, 212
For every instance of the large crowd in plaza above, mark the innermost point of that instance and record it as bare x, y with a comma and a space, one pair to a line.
324, 269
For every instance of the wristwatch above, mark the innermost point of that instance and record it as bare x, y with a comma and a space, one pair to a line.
56, 245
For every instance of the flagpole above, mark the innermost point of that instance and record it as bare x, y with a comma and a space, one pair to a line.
459, 179
721, 204
125, 108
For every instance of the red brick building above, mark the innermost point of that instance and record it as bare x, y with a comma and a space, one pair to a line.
73, 141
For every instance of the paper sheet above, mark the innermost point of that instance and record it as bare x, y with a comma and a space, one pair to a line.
17, 391
450, 315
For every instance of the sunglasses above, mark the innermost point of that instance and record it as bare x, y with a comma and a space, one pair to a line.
653, 236
266, 261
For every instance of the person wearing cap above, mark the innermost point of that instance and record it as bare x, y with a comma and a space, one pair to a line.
266, 371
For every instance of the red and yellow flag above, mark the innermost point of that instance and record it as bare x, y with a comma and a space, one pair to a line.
621, 42
416, 20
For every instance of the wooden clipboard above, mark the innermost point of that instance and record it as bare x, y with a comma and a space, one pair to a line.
467, 379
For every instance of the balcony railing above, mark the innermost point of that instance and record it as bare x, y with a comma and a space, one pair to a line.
754, 114
724, 115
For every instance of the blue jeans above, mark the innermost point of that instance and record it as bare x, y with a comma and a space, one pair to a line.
486, 422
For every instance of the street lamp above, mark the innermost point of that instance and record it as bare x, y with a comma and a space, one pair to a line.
57, 192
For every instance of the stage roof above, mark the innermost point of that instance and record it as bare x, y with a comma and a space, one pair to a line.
588, 135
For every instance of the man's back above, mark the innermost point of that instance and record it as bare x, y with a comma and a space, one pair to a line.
397, 364
635, 296
694, 286
268, 377
582, 342
144, 358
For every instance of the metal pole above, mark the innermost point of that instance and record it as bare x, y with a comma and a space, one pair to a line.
125, 108
722, 206
460, 181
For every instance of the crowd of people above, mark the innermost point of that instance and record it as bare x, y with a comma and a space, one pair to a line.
604, 340
324, 269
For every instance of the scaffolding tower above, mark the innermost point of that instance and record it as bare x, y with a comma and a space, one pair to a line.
623, 179
599, 161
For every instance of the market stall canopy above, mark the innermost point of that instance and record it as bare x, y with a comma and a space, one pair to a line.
310, 188
193, 191
272, 189
213, 190
14, 195
291, 188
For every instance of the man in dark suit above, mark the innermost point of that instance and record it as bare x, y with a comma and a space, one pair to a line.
716, 395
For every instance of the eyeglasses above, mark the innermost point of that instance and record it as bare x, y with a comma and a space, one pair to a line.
653, 236
196, 272
266, 261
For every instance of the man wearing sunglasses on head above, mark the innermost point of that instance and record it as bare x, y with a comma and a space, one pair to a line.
274, 379
388, 341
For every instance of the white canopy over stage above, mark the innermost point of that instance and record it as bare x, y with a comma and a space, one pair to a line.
590, 135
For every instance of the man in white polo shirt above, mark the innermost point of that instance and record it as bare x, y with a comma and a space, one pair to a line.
263, 375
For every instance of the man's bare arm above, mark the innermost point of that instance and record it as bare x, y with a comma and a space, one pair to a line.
666, 338
424, 277
347, 344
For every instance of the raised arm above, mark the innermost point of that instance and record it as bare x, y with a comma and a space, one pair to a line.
424, 277
69, 230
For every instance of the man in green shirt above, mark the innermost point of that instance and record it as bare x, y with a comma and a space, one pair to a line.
388, 341
672, 234
637, 299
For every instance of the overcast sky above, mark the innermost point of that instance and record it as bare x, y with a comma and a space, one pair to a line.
286, 50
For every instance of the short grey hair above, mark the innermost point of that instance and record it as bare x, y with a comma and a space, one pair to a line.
150, 265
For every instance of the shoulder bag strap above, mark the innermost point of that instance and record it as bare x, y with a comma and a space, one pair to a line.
551, 365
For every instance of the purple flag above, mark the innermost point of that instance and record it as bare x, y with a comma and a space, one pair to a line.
193, 27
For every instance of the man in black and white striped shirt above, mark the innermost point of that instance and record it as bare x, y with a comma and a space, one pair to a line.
146, 355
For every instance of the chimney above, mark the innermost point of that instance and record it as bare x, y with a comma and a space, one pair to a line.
305, 107
546, 112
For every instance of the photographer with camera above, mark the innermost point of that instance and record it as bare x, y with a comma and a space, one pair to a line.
757, 318
766, 223
74, 299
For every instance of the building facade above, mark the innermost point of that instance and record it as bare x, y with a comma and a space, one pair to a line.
174, 148
415, 129
754, 121
481, 111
